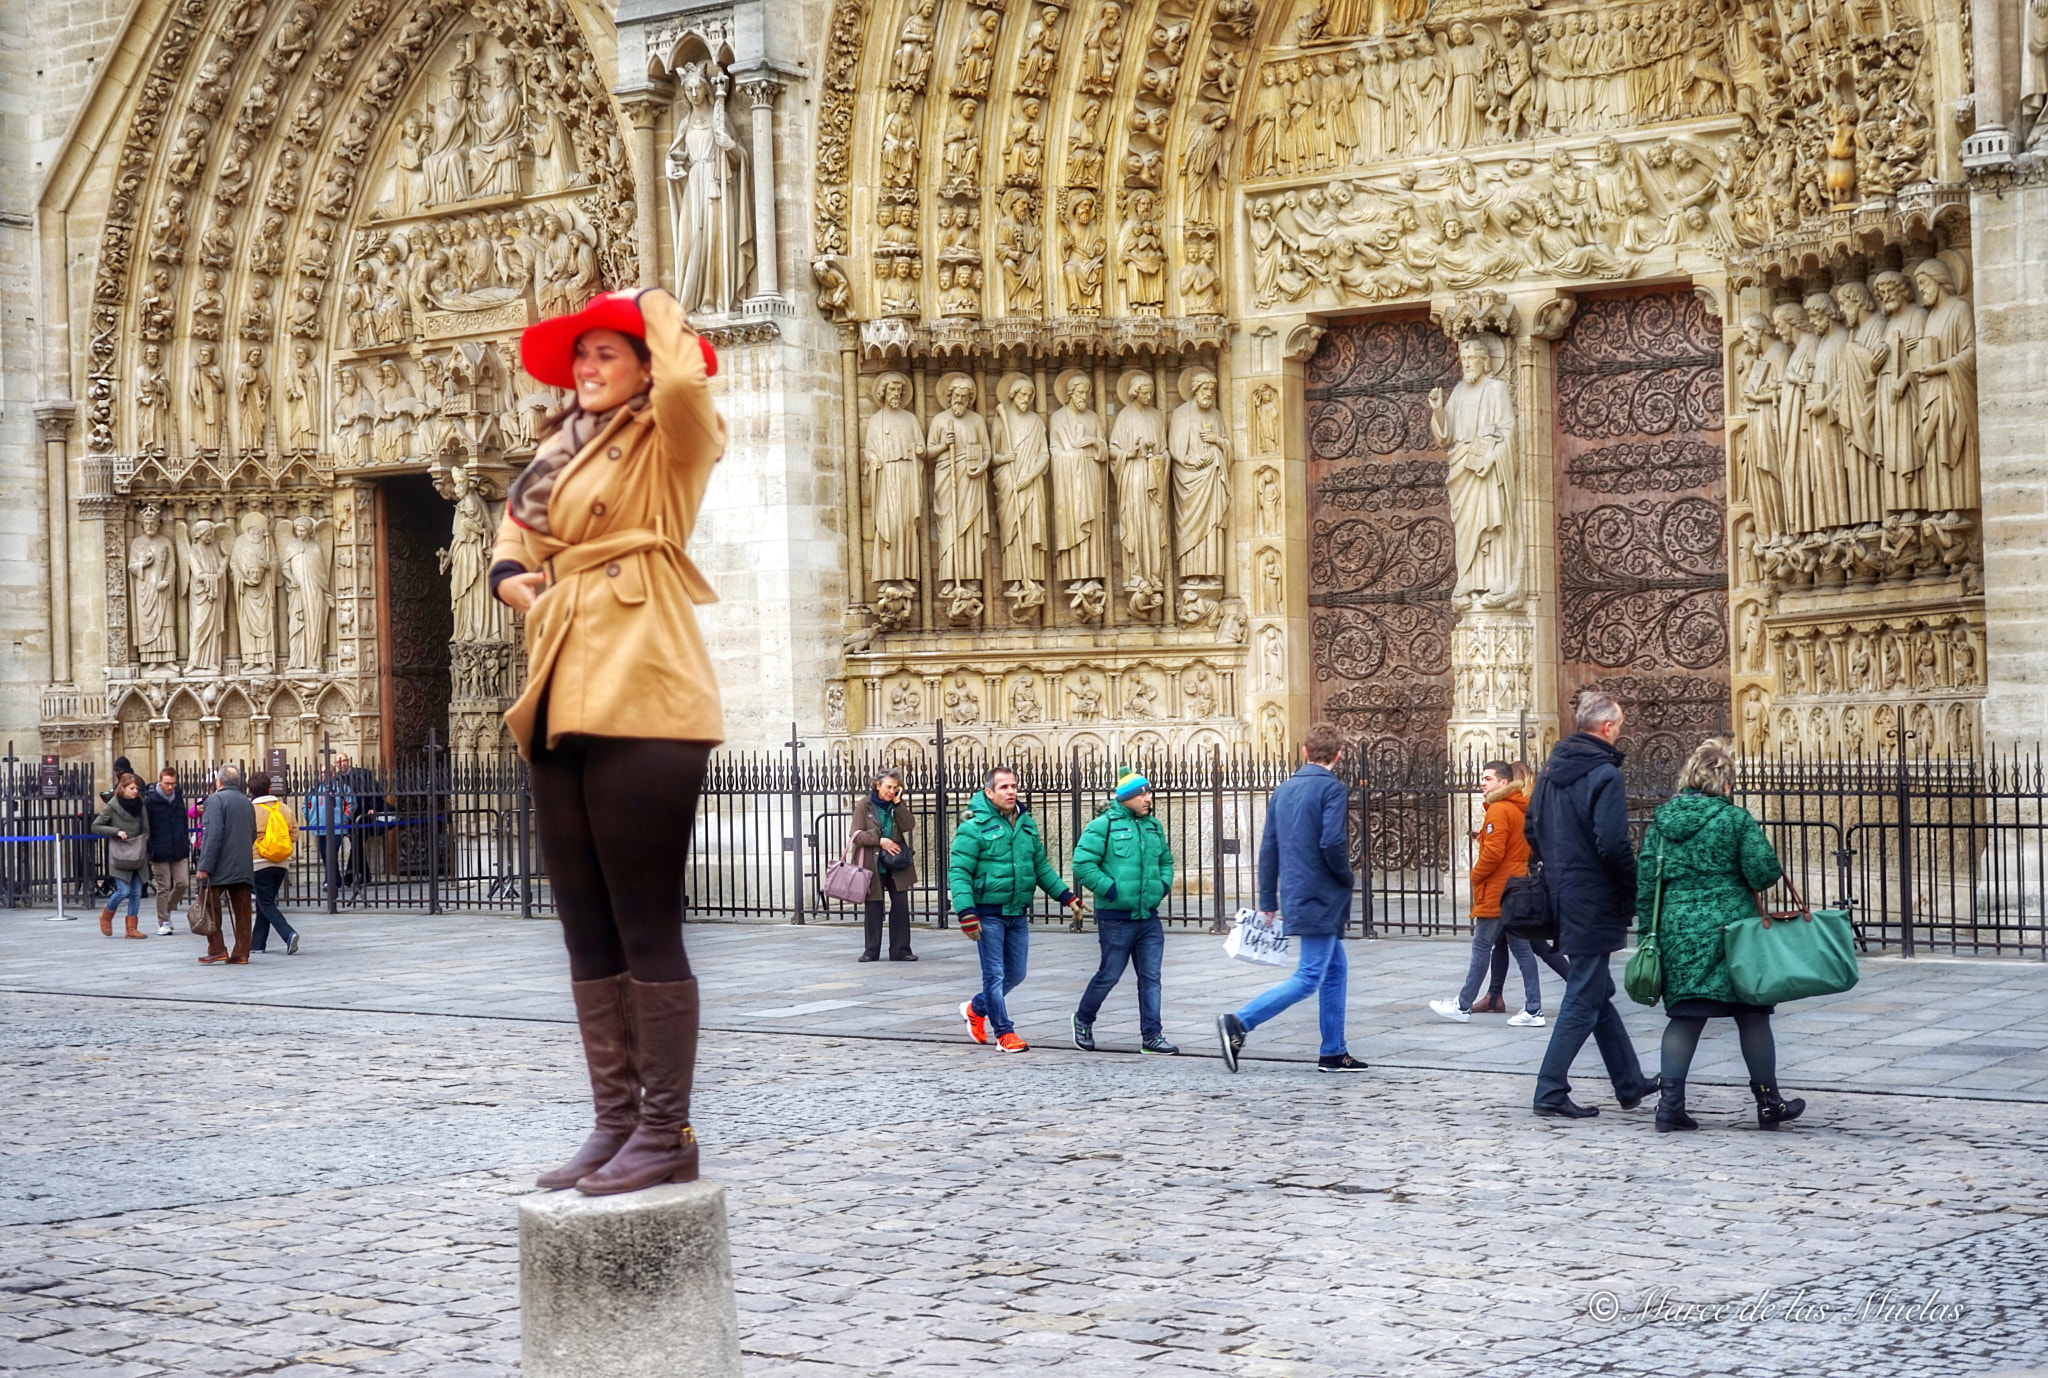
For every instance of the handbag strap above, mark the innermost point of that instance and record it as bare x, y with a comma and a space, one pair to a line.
1764, 913
1657, 900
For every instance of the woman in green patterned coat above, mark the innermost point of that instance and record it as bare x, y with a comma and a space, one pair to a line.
1711, 856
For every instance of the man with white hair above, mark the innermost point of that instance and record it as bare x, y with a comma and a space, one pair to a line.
1578, 830
227, 862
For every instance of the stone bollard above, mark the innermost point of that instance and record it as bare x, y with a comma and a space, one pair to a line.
632, 1286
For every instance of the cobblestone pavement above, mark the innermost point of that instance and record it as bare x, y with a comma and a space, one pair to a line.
276, 1184
1954, 1026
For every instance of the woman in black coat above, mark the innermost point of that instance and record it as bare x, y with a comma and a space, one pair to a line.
882, 830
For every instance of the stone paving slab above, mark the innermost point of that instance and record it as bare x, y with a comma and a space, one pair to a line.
1949, 1026
195, 1187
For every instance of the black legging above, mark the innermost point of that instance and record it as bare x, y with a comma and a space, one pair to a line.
614, 816
1759, 1050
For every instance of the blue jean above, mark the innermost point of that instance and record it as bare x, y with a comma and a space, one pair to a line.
1320, 971
1588, 1008
127, 886
1127, 940
1485, 937
1005, 949
268, 916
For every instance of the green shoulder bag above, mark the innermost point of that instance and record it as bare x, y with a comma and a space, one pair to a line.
1643, 978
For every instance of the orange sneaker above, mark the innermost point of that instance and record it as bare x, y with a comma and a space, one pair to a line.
977, 1026
1010, 1043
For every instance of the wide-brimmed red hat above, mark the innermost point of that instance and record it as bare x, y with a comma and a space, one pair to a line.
548, 348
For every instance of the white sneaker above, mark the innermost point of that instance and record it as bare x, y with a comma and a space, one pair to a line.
1525, 1020
1449, 1010
163, 928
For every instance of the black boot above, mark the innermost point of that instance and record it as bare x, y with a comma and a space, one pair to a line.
664, 1147
604, 1013
1773, 1109
1671, 1108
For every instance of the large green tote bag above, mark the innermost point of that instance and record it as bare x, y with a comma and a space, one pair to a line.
1773, 958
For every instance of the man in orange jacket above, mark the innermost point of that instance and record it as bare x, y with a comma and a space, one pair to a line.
1503, 855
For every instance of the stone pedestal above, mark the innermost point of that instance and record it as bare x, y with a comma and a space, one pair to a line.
1493, 671
633, 1286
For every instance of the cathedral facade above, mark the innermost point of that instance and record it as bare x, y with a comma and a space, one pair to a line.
1104, 376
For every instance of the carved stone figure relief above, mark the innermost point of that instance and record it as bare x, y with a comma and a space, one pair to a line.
1138, 457
1475, 427
1023, 457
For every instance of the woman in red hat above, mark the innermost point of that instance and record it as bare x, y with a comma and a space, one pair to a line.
620, 710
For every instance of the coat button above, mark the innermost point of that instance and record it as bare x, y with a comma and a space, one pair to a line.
597, 510
612, 453
612, 570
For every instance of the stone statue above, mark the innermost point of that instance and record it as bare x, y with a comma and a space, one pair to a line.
397, 416
466, 562
252, 400
1137, 452
711, 205
1945, 372
958, 446
153, 568
301, 402
202, 581
355, 416
308, 593
891, 453
1793, 433
152, 401
449, 132
208, 394
1476, 428
1078, 486
1853, 384
1827, 415
253, 562
1022, 458
1898, 393
1200, 442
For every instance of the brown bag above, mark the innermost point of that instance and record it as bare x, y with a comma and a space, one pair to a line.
202, 915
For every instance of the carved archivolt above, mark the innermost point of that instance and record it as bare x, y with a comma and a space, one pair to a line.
327, 225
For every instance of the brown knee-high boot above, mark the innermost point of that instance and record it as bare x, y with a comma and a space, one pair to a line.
664, 1147
604, 1012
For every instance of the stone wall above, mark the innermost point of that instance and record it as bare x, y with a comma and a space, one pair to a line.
2010, 221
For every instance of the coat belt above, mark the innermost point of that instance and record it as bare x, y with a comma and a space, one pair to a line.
587, 555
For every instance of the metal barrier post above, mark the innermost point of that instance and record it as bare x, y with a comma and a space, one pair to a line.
939, 813
1216, 839
330, 851
795, 842
522, 798
434, 749
1905, 806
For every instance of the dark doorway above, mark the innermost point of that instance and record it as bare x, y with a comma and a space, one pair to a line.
1380, 553
414, 620
1642, 568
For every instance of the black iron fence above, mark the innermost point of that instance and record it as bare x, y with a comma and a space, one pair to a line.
1926, 854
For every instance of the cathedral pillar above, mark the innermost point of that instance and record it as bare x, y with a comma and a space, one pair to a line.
1504, 643
55, 420
642, 106
761, 93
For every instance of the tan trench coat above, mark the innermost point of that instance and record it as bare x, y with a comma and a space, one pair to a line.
867, 845
613, 641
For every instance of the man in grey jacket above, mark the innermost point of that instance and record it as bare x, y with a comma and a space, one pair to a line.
227, 862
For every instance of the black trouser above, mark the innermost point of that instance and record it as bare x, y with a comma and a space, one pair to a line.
899, 920
1545, 952
614, 815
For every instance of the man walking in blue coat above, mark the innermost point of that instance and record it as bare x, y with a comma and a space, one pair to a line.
1305, 874
1578, 829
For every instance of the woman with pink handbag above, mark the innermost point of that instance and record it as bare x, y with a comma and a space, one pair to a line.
881, 840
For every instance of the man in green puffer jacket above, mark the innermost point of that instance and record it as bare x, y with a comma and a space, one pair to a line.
996, 866
1124, 859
